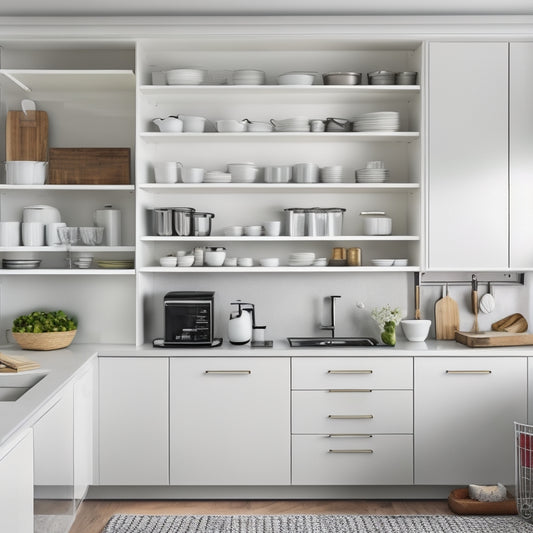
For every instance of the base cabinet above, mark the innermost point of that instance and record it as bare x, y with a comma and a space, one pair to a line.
464, 413
133, 420
16, 485
230, 421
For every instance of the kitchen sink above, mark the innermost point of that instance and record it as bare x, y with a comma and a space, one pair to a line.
328, 342
13, 386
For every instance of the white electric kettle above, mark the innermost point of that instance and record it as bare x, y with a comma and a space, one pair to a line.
240, 324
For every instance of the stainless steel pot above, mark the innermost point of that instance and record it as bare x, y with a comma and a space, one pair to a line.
315, 221
201, 224
183, 220
162, 221
342, 78
295, 221
338, 124
334, 220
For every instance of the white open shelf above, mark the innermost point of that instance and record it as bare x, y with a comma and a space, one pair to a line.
45, 187
281, 187
225, 238
66, 272
63, 249
259, 269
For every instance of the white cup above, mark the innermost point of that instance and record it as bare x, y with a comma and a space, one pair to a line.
272, 228
52, 237
33, 234
166, 172
10, 233
192, 175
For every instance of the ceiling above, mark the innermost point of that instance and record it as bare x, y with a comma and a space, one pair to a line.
263, 7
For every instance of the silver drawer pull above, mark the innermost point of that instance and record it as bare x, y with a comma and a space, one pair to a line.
228, 371
468, 371
349, 390
350, 371
352, 435
351, 417
351, 451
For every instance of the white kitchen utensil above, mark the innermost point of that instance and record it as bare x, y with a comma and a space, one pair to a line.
487, 304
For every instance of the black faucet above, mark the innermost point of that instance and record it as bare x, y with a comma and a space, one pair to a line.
332, 326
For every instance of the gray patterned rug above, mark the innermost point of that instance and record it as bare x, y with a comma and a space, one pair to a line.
123, 523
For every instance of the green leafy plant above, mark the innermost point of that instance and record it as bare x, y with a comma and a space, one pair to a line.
44, 322
387, 319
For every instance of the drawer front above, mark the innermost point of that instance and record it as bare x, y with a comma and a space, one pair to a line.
374, 411
352, 373
374, 460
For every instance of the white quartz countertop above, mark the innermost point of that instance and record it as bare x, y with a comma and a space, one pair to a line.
61, 366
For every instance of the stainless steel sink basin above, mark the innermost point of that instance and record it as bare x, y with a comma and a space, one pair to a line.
13, 386
328, 342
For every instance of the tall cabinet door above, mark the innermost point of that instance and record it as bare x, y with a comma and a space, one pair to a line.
521, 155
133, 420
230, 421
468, 156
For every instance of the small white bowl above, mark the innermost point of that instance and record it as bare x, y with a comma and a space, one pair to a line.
253, 231
416, 330
230, 126
214, 258
185, 260
269, 261
234, 231
272, 228
245, 261
168, 261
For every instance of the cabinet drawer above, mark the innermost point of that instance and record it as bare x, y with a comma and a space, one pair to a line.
378, 411
352, 373
370, 460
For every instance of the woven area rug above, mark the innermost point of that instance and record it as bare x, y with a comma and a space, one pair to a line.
122, 523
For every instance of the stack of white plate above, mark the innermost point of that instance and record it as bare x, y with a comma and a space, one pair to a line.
216, 176
331, 174
186, 76
248, 77
378, 121
295, 124
401, 262
382, 262
372, 175
20, 263
300, 259
320, 262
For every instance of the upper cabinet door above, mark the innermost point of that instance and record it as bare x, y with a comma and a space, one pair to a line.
468, 156
521, 155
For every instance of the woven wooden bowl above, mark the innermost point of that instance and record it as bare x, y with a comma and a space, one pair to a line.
44, 341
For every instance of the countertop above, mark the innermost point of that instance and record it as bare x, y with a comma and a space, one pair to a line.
61, 366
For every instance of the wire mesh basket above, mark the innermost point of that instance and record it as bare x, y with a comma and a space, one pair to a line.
524, 470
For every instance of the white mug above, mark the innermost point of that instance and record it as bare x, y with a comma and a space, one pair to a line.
10, 233
52, 237
166, 172
272, 228
33, 234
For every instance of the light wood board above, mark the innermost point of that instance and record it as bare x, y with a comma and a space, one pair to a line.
493, 338
27, 136
446, 318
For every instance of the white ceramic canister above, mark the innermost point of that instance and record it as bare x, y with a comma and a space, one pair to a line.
10, 233
33, 234
110, 220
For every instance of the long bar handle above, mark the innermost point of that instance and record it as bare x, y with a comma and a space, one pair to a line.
468, 371
351, 417
350, 451
352, 435
228, 371
350, 371
349, 390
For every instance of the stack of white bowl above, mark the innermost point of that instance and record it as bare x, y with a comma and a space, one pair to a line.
378, 121
295, 124
300, 259
331, 174
248, 77
216, 176
186, 76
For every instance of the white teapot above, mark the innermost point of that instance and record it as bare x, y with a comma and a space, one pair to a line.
240, 324
169, 124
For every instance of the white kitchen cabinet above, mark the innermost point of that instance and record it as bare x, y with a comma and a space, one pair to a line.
464, 413
133, 421
468, 156
520, 154
16, 484
230, 421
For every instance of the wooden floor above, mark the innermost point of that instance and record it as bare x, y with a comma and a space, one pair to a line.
94, 514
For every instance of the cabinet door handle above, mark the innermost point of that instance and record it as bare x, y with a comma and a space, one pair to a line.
351, 417
228, 371
468, 371
350, 371
351, 451
349, 390
351, 435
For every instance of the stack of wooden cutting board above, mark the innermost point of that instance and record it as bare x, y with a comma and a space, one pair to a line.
10, 363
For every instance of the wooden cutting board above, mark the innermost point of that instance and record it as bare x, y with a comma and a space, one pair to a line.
446, 318
89, 166
487, 339
27, 136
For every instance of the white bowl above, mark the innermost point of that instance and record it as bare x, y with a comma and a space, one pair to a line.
186, 76
234, 231
416, 330
185, 260
231, 126
269, 261
168, 261
245, 261
192, 124
214, 258
253, 231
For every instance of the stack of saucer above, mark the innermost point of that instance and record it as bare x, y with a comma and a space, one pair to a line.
378, 121
84, 261
331, 174
296, 124
301, 259
371, 175
382, 262
248, 77
216, 176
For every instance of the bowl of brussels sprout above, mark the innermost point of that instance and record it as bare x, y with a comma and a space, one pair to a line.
44, 330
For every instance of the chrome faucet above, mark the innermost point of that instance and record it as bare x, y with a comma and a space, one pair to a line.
331, 327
